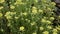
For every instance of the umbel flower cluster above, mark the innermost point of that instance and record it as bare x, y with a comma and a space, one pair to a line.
27, 17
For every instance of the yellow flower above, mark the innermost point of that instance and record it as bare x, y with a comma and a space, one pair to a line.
1, 14
45, 17
22, 28
45, 32
34, 33
25, 13
1, 1
1, 7
43, 20
53, 3
41, 28
8, 17
33, 23
12, 13
41, 11
34, 10
49, 27
36, 0
49, 9
51, 18
55, 33
16, 17
12, 7
55, 30
9, 14
19, 2
48, 22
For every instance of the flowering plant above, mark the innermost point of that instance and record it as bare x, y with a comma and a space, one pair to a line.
28, 17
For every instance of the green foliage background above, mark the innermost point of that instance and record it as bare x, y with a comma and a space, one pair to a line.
27, 17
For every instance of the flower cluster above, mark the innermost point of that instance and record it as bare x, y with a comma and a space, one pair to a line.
28, 17
9, 14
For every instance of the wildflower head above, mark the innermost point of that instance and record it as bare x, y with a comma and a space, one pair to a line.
34, 10
41, 11
58, 28
51, 18
1, 14
45, 32
55, 30
25, 13
9, 14
33, 23
53, 3
43, 20
16, 17
34, 33
41, 28
49, 9
48, 22
55, 33
22, 28
49, 27
1, 7
12, 7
